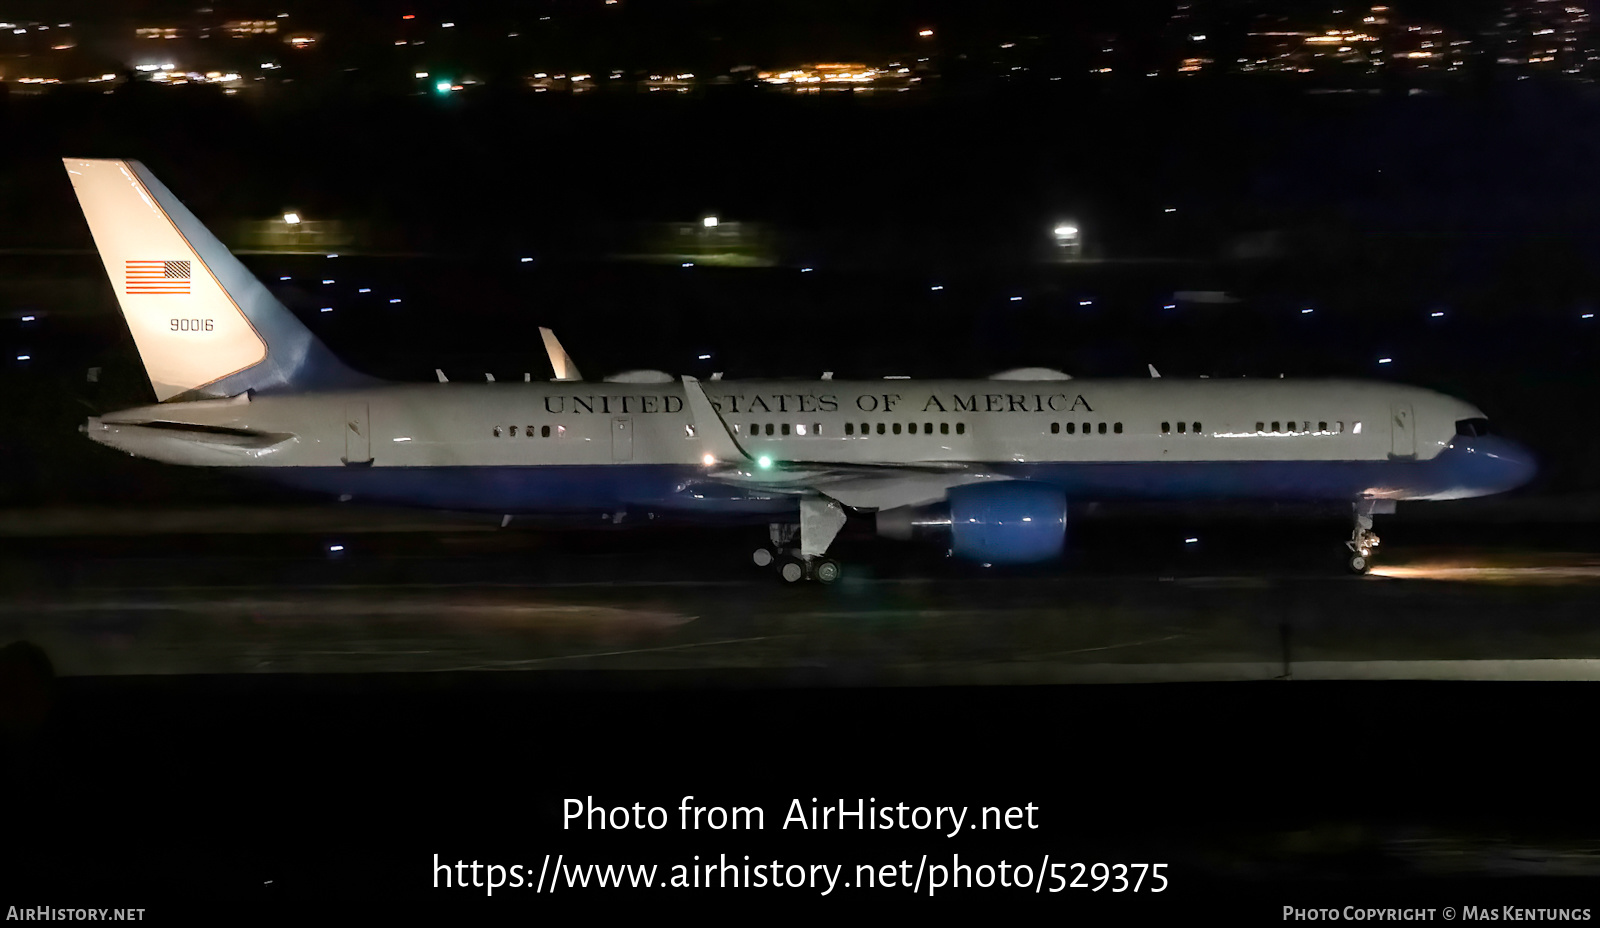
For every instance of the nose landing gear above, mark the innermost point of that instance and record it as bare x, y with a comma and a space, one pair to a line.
1363, 543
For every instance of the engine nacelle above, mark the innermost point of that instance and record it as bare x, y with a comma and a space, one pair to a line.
1012, 522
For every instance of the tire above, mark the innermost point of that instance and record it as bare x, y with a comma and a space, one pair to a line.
792, 570
762, 557
826, 571
1359, 563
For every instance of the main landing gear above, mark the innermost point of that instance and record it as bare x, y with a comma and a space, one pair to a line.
797, 550
1363, 543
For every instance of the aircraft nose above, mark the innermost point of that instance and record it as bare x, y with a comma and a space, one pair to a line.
1510, 463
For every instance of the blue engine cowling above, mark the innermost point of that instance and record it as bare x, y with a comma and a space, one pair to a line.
1014, 522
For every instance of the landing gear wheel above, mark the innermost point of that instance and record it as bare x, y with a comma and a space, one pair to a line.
1359, 563
792, 570
762, 557
825, 571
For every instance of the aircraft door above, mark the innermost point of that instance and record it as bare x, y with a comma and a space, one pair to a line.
622, 439
357, 438
1403, 431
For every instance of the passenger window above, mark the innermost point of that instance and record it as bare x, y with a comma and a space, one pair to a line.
497, 431
1072, 428
1338, 427
1261, 427
1322, 426
816, 428
800, 429
1166, 427
1180, 428
736, 428
688, 429
769, 428
880, 428
1102, 428
784, 430
513, 431
927, 428
528, 431
944, 428
1117, 428
849, 428
561, 431
1195, 428
1355, 428
1086, 428
961, 428
912, 428
1275, 428
1055, 428
897, 428
866, 429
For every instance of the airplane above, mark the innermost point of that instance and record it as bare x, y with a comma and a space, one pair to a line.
986, 467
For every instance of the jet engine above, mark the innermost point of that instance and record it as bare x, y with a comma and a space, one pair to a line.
1011, 522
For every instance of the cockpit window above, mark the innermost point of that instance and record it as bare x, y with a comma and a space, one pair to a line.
1472, 427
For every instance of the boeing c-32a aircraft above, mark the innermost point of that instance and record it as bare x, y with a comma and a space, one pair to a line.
985, 466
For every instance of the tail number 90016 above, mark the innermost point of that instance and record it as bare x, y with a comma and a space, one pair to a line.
190, 325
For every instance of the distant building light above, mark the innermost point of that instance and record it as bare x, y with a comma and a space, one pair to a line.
291, 218
422, 73
709, 222
1066, 230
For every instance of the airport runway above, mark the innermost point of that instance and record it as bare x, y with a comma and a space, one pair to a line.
413, 598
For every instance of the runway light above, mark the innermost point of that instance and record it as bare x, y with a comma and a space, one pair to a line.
27, 318
526, 260
705, 357
24, 357
1066, 231
327, 281
365, 290
1170, 306
402, 439
937, 287
291, 218
1016, 299
422, 73
1435, 315
688, 264
335, 548
1385, 360
1086, 302
1169, 210
708, 460
334, 255
925, 32
396, 300
1190, 541
327, 309
442, 87
285, 278
709, 222
765, 462
805, 270
1306, 312
1587, 316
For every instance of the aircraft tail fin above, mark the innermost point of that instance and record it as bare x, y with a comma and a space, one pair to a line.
203, 324
560, 361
